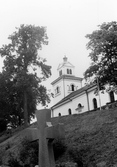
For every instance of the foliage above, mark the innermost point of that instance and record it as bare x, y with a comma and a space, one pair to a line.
103, 46
59, 147
90, 139
67, 164
20, 84
28, 155
3, 125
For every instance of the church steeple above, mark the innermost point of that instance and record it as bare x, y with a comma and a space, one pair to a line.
65, 59
66, 82
65, 68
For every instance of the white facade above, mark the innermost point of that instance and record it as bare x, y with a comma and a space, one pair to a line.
65, 68
79, 100
72, 103
66, 81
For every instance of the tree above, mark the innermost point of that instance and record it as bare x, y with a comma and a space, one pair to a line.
103, 46
21, 62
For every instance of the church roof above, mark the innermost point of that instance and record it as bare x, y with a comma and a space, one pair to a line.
73, 95
66, 77
65, 63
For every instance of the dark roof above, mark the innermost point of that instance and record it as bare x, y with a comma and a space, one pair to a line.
73, 94
67, 77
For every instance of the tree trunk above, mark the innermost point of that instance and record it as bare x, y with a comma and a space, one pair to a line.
25, 109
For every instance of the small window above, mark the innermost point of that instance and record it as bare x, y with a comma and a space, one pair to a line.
59, 114
95, 103
112, 98
70, 71
57, 90
72, 87
60, 73
79, 105
67, 71
69, 111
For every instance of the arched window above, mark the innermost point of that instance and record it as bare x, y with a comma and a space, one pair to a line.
70, 71
67, 71
72, 87
112, 98
94, 103
59, 114
69, 111
57, 89
79, 105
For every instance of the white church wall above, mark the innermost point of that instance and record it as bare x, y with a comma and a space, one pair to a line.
82, 99
59, 96
91, 96
69, 67
68, 82
104, 98
73, 105
63, 110
63, 70
115, 95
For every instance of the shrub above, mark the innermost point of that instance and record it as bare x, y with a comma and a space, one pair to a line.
59, 147
75, 156
3, 125
28, 155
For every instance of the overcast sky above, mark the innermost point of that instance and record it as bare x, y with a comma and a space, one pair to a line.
67, 22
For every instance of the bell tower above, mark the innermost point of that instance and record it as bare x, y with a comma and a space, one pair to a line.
66, 82
65, 68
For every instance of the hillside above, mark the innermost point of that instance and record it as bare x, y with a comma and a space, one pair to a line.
91, 138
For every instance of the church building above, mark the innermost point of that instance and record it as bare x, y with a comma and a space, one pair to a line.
71, 97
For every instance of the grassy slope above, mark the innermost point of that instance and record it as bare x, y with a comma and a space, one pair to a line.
92, 136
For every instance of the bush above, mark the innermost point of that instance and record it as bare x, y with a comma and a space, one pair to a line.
28, 155
3, 125
59, 147
75, 156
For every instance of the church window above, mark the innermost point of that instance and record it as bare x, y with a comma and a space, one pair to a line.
70, 71
94, 103
60, 73
67, 71
69, 111
112, 98
72, 87
57, 89
79, 105
59, 114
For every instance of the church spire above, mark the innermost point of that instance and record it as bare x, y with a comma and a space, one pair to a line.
65, 59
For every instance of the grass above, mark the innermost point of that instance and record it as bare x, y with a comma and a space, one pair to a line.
91, 138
